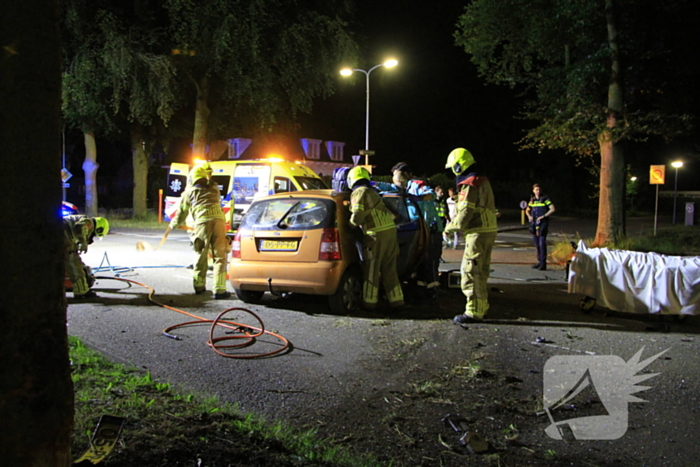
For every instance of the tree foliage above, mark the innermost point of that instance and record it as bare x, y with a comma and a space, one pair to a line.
595, 74
558, 51
254, 64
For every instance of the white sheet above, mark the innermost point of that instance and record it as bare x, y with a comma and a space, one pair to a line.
637, 282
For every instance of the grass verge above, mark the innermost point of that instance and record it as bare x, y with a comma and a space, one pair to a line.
123, 218
166, 428
673, 241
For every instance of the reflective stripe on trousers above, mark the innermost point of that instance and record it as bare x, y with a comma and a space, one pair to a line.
380, 251
210, 237
476, 264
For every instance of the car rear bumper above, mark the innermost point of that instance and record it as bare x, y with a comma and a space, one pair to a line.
320, 278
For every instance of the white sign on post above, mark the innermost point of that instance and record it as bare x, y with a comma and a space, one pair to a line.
356, 159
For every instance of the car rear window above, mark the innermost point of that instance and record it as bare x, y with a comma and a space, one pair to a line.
289, 214
310, 183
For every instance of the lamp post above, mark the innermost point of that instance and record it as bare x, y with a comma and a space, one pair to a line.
633, 191
676, 165
347, 72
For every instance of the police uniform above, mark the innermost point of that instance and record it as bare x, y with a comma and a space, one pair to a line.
202, 200
539, 207
380, 246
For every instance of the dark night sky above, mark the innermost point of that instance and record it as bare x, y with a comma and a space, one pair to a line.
434, 101
429, 104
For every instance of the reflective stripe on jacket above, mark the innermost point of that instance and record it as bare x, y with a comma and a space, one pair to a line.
476, 208
203, 201
539, 206
368, 210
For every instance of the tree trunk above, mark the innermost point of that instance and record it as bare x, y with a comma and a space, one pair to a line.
201, 121
36, 391
611, 215
90, 167
140, 162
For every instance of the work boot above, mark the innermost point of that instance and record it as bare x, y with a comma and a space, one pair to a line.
536, 266
199, 290
542, 267
465, 319
222, 295
88, 294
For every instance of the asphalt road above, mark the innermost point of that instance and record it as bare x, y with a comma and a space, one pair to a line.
335, 360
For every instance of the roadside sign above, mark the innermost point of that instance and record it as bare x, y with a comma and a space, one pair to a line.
657, 175
356, 159
65, 175
523, 205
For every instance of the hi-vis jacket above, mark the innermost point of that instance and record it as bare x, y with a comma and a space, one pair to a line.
368, 210
476, 207
79, 228
203, 201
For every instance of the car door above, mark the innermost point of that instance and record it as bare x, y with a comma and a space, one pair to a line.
412, 232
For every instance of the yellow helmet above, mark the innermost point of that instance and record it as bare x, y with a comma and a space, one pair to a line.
101, 226
356, 174
459, 161
201, 172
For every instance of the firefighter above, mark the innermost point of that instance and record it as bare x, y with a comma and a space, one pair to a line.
202, 200
79, 232
476, 220
380, 246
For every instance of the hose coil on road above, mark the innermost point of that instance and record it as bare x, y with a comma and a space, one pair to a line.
221, 344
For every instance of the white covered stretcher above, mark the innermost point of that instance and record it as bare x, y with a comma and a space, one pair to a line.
637, 282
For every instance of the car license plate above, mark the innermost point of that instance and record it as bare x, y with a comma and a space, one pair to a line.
278, 245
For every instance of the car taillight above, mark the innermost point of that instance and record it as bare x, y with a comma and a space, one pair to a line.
236, 246
330, 246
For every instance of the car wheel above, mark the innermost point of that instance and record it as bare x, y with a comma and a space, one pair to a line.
249, 296
348, 296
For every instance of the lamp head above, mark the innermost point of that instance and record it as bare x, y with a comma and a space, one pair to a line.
677, 164
391, 63
346, 72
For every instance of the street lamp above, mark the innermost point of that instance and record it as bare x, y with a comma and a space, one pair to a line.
676, 165
347, 72
632, 191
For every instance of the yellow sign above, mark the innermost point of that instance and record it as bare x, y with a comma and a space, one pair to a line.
657, 175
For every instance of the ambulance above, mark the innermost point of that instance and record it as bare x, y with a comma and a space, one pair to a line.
240, 182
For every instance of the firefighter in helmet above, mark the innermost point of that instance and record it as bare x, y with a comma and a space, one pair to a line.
380, 246
79, 232
476, 220
201, 199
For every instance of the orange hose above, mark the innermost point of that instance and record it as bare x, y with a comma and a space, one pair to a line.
214, 342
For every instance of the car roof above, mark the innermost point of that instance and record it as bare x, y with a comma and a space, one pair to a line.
325, 193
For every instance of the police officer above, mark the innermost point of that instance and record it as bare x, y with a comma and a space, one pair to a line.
380, 246
538, 211
476, 220
79, 232
202, 200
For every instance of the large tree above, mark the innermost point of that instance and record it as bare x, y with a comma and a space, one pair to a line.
36, 392
86, 83
597, 74
256, 61
143, 81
